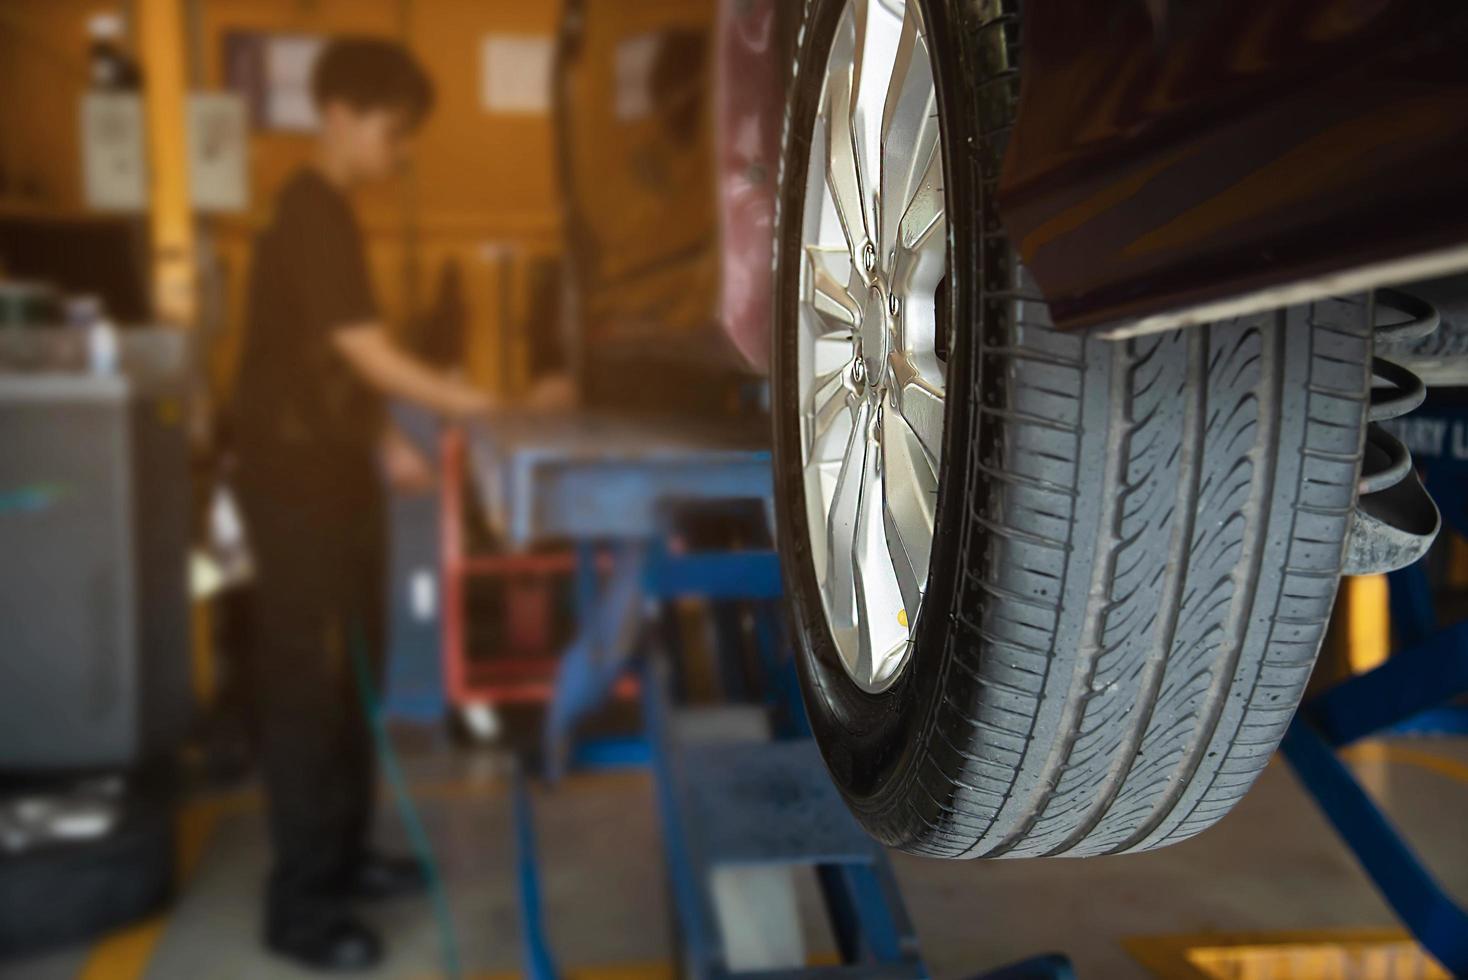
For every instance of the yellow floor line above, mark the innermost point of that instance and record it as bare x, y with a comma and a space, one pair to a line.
626, 971
125, 954
1323, 954
1316, 954
1402, 755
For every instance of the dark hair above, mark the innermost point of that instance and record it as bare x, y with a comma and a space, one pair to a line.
372, 73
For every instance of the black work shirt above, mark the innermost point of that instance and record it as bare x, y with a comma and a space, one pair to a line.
308, 279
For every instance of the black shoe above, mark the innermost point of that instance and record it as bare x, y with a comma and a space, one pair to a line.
377, 877
338, 943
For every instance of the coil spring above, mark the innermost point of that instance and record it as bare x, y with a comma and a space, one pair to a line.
1387, 461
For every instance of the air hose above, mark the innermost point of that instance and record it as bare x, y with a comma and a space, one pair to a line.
407, 809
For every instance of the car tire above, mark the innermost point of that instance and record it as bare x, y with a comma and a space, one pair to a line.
1136, 543
69, 892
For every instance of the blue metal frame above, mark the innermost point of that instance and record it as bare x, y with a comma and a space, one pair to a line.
1052, 966
577, 497
610, 753
1408, 683
535, 950
1408, 887
694, 842
873, 932
414, 690
1400, 695
728, 575
605, 649
697, 918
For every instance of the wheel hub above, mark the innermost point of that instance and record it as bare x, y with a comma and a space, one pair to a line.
872, 341
871, 383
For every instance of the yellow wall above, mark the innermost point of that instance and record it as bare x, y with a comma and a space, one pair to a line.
43, 69
646, 195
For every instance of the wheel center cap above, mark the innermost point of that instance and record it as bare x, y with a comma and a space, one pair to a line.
874, 336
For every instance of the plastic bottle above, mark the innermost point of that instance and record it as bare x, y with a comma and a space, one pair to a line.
102, 347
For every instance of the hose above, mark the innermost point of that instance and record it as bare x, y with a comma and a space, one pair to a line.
407, 809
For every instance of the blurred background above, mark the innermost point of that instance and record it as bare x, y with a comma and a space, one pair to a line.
588, 206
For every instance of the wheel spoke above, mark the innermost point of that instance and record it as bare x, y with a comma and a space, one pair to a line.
837, 313
921, 261
841, 168
841, 523
909, 128
922, 219
910, 484
921, 241
882, 611
876, 49
920, 403
830, 400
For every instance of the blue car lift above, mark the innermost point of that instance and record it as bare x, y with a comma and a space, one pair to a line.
1408, 694
722, 803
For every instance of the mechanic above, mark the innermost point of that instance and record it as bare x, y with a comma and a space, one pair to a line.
311, 434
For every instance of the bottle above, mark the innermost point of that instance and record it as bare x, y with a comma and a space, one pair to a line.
102, 347
109, 65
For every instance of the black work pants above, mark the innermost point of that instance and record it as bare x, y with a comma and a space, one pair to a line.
316, 528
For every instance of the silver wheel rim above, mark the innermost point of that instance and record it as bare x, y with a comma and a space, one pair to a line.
871, 382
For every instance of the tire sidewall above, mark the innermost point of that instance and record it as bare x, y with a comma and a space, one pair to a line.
870, 741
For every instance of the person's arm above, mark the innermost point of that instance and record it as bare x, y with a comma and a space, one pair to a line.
407, 469
336, 293
390, 370
552, 393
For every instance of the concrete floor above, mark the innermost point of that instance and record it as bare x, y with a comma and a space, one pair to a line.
1273, 865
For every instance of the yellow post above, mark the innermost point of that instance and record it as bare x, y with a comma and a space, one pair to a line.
1368, 621
162, 51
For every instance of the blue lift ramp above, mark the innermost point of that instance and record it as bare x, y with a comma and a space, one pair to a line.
760, 800
768, 804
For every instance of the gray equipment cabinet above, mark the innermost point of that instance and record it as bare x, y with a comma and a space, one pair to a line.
94, 531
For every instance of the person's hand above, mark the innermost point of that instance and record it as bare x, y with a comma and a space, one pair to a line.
471, 403
555, 393
407, 469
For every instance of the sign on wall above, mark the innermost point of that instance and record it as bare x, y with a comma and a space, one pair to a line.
272, 72
114, 151
218, 127
636, 60
515, 74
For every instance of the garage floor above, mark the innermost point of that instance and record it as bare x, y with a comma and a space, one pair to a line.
1274, 866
